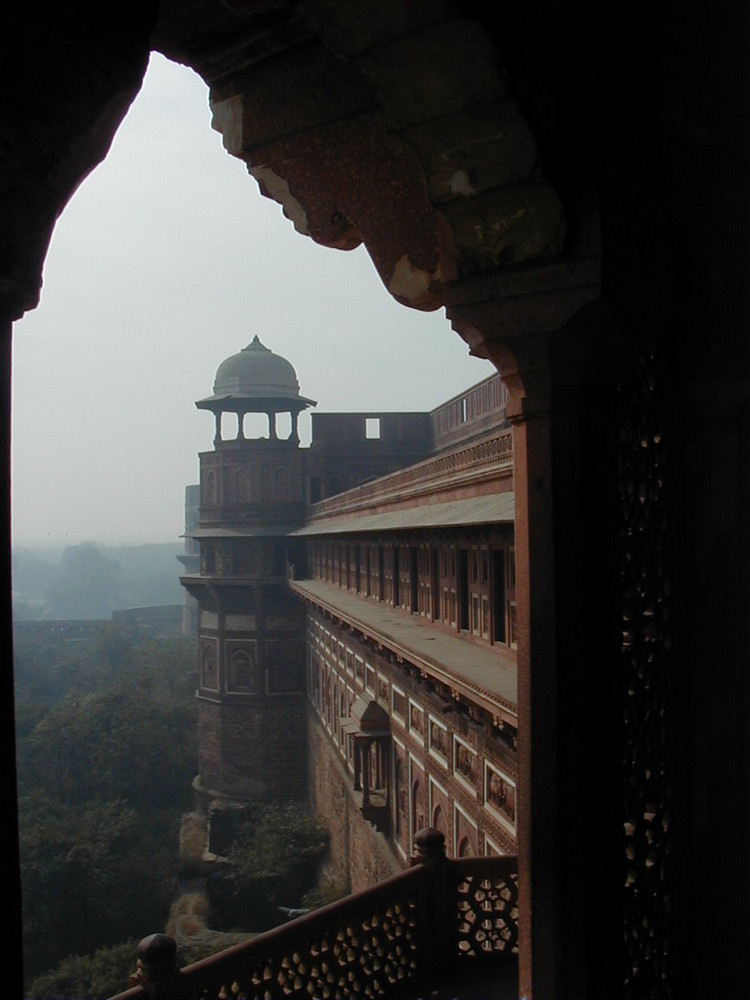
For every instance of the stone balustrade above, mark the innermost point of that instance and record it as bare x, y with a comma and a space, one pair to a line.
488, 454
438, 916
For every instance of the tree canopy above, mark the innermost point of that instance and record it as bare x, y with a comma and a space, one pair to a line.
107, 750
89, 580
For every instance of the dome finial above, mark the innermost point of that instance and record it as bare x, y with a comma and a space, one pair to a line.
255, 345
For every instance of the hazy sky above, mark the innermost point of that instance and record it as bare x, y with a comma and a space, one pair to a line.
166, 261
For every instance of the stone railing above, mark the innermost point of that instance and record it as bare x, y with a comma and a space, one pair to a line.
487, 907
480, 404
489, 454
425, 922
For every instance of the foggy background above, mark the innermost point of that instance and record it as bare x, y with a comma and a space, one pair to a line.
166, 261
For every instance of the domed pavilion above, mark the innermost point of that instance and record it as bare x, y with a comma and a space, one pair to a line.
256, 381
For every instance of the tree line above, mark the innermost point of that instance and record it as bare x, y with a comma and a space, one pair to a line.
106, 738
92, 581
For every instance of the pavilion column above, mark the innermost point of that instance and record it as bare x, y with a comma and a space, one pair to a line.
357, 765
365, 751
387, 758
563, 409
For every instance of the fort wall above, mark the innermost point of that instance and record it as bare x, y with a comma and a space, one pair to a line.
358, 852
357, 645
229, 737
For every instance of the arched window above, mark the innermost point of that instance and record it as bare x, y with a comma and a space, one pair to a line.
417, 807
439, 821
400, 798
465, 848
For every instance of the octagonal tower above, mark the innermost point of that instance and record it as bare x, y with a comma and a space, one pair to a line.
251, 629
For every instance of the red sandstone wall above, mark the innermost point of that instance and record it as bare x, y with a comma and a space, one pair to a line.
254, 752
357, 850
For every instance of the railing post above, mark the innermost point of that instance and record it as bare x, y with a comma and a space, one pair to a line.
441, 919
156, 967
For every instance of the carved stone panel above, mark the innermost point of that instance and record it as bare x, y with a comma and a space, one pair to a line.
500, 796
209, 664
242, 665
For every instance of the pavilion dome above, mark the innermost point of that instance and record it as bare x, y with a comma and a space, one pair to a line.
256, 371
257, 375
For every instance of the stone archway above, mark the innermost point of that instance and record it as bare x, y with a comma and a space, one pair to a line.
396, 130
356, 143
488, 237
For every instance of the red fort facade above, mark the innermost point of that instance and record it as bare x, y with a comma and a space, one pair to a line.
357, 626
